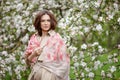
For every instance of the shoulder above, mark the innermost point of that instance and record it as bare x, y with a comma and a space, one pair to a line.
59, 38
55, 35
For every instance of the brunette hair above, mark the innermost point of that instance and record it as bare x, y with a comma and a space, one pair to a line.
37, 21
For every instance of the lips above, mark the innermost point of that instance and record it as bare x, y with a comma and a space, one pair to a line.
46, 26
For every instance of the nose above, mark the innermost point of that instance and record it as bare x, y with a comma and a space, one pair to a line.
46, 22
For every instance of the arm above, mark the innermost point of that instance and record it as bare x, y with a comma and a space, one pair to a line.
29, 49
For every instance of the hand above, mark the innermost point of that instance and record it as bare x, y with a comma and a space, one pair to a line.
35, 53
38, 51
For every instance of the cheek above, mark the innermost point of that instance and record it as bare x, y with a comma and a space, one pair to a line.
41, 24
49, 23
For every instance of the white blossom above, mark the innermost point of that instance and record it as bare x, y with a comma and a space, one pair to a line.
9, 69
110, 16
119, 20
115, 6
5, 53
93, 57
84, 46
72, 49
109, 75
81, 33
80, 27
91, 74
74, 1
110, 60
95, 17
18, 32
12, 58
82, 74
73, 30
110, 56
31, 29
96, 64
83, 64
100, 49
80, 1
86, 6
5, 38
76, 64
100, 18
86, 29
87, 69
75, 58
103, 73
18, 69
35, 1
25, 38
7, 2
96, 4
115, 59
23, 61
113, 69
115, 54
61, 25
19, 6
7, 60
81, 54
99, 27
95, 43
18, 76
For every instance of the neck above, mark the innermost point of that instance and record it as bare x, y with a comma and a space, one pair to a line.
44, 33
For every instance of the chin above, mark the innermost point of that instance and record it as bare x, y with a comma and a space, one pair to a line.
46, 30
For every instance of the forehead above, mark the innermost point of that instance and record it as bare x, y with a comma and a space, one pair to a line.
45, 16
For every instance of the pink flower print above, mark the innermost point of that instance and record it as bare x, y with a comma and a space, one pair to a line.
61, 42
54, 57
48, 55
61, 56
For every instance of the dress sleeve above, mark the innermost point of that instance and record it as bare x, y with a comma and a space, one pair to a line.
31, 45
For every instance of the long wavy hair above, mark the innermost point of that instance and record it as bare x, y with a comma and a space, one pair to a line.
37, 22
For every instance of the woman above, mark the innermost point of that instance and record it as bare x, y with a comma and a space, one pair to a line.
47, 50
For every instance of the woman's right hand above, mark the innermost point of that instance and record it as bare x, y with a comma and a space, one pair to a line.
35, 53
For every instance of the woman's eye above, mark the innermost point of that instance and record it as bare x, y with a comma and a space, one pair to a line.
48, 20
42, 20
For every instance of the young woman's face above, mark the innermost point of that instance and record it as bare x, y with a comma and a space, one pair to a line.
45, 22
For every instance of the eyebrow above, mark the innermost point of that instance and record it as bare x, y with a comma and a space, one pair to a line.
45, 19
